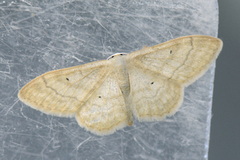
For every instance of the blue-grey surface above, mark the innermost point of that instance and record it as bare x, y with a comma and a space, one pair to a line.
225, 128
37, 37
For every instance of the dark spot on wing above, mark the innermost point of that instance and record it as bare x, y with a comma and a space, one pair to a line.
171, 52
152, 82
99, 97
67, 79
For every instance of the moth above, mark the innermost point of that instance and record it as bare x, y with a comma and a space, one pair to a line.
104, 95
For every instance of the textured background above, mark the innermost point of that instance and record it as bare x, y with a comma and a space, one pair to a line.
52, 39
225, 126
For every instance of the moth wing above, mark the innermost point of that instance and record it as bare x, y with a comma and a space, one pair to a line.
159, 73
182, 60
105, 111
62, 92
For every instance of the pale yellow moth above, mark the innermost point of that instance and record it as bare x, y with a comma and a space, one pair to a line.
104, 95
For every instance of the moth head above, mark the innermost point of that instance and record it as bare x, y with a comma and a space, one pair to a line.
115, 55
